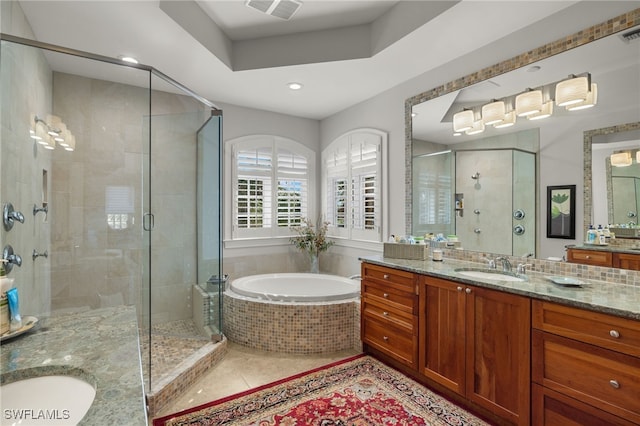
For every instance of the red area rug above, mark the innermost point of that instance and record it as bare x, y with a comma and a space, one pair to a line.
358, 391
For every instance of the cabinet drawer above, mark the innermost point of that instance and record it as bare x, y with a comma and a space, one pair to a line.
607, 331
400, 280
390, 296
550, 408
397, 343
389, 315
599, 377
590, 257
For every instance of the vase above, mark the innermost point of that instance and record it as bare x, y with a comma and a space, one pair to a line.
315, 267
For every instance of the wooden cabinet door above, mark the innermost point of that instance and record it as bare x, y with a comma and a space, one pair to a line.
498, 327
442, 332
626, 261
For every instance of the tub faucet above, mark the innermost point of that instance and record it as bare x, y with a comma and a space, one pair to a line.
355, 277
506, 265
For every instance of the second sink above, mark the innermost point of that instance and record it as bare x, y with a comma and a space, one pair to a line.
490, 274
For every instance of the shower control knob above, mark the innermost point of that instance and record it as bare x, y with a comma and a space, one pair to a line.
9, 216
477, 230
10, 258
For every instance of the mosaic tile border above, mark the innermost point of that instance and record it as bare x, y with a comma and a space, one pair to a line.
604, 29
292, 328
611, 275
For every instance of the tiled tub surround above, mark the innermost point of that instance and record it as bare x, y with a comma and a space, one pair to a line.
606, 290
98, 345
300, 328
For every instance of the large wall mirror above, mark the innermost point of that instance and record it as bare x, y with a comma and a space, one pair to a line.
490, 188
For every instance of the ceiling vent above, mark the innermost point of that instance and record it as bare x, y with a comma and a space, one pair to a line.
283, 9
628, 36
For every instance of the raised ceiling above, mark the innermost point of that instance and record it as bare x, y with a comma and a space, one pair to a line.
343, 52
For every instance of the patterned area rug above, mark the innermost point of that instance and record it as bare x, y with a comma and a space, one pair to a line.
358, 391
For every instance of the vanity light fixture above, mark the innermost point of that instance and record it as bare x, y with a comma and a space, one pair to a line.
41, 132
478, 127
621, 159
573, 90
574, 93
70, 143
493, 113
638, 157
509, 120
592, 100
463, 120
529, 102
48, 133
545, 112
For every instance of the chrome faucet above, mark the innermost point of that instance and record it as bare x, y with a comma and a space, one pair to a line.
506, 265
522, 268
491, 263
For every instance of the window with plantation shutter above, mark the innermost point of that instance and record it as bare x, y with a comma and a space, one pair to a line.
352, 176
271, 179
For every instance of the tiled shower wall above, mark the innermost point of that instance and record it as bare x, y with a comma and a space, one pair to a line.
26, 90
92, 264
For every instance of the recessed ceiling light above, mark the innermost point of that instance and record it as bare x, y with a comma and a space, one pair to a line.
129, 59
294, 86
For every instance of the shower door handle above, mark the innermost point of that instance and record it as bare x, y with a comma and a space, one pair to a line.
148, 221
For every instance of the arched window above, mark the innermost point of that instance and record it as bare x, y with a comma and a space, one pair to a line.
352, 185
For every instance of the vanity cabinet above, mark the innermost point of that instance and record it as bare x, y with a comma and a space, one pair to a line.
389, 309
608, 259
476, 342
586, 367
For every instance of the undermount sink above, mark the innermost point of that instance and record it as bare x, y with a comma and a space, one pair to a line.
46, 400
490, 274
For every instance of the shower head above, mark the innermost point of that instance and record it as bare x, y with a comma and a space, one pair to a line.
475, 176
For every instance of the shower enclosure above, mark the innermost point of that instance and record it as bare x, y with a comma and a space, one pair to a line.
116, 169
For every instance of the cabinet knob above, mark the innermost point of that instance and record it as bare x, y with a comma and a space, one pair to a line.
467, 290
385, 295
614, 333
385, 338
587, 257
385, 314
614, 384
459, 288
385, 276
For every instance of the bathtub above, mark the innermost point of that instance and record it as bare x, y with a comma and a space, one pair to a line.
293, 313
296, 288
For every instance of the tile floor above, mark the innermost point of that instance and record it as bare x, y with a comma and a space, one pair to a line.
245, 368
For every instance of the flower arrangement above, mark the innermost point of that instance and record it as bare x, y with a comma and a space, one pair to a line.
310, 239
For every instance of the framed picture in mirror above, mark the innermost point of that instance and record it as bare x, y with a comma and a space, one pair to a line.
561, 211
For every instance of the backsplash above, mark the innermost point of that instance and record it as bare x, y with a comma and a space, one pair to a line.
612, 275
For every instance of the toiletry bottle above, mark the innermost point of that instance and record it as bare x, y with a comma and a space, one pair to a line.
592, 235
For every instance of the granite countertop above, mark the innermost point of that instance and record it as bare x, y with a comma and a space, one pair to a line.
99, 346
607, 247
616, 299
